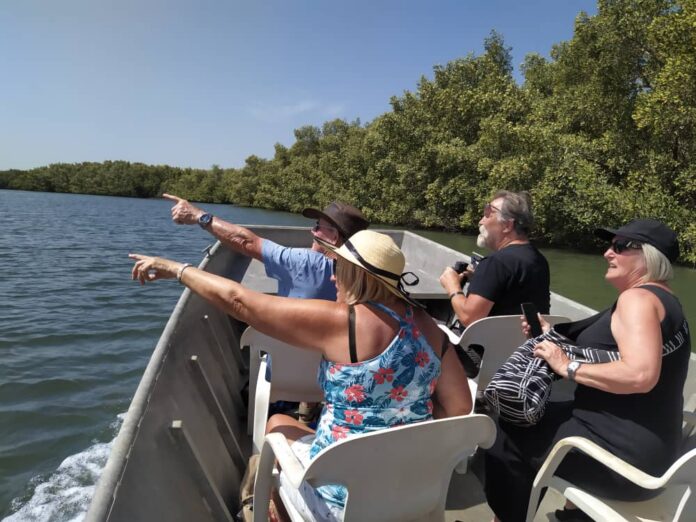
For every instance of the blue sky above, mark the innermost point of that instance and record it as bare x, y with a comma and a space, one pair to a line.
202, 82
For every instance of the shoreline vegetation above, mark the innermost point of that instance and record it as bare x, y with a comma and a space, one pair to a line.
601, 132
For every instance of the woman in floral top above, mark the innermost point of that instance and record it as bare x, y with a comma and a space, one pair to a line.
392, 372
396, 375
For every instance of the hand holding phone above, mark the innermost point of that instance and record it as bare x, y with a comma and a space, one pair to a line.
532, 317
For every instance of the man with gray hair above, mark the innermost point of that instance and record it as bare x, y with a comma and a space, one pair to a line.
516, 272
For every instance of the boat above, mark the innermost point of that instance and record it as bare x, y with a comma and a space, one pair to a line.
183, 446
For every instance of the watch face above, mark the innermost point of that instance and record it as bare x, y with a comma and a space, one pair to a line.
572, 368
205, 220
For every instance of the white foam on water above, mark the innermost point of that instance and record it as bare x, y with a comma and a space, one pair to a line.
65, 495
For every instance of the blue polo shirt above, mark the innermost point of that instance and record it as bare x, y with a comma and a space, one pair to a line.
300, 272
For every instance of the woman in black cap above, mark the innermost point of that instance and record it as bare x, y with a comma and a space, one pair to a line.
632, 406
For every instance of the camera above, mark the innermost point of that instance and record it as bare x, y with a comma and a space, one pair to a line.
460, 266
475, 258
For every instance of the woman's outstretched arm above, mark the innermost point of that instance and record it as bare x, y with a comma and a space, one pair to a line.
308, 323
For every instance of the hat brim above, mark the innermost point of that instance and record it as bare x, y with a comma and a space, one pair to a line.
609, 233
344, 254
314, 213
605, 233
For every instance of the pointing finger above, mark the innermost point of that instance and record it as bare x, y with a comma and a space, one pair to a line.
172, 197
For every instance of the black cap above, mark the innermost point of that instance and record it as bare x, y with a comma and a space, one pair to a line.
648, 231
346, 218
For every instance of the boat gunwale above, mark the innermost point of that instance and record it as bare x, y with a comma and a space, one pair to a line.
107, 485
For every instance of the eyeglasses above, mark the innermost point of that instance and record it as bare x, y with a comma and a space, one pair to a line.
621, 245
334, 262
488, 209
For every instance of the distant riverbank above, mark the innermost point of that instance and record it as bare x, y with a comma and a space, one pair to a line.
562, 222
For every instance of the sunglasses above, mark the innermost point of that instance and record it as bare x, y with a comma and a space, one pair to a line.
318, 227
334, 262
488, 209
621, 245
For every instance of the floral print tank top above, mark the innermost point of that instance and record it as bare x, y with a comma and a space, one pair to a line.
388, 390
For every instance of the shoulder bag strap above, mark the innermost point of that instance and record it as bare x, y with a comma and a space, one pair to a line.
351, 335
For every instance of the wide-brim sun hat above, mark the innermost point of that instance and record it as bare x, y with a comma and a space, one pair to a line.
377, 254
346, 218
650, 231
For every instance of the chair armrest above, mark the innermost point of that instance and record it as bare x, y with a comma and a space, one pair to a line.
453, 337
561, 449
623, 468
291, 465
275, 447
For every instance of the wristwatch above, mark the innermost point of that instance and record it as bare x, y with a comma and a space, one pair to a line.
205, 220
573, 367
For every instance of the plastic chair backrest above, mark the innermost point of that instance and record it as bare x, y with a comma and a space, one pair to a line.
293, 369
401, 473
293, 378
500, 336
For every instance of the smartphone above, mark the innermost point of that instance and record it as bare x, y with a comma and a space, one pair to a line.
530, 314
475, 258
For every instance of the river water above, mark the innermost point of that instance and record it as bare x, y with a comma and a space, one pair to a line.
76, 333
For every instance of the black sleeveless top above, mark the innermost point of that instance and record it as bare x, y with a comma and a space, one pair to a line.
642, 428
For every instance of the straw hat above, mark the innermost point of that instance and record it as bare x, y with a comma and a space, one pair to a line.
378, 255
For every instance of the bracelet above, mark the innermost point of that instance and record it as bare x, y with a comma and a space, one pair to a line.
181, 271
456, 293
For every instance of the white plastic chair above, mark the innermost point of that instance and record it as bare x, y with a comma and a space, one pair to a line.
293, 378
396, 474
500, 336
674, 502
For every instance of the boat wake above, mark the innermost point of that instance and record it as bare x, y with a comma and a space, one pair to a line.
65, 495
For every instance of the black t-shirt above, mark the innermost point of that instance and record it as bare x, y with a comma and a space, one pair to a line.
513, 275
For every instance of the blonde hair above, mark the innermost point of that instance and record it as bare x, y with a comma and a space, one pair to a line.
658, 267
359, 285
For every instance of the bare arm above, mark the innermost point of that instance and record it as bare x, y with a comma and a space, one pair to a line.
307, 323
468, 308
635, 324
237, 238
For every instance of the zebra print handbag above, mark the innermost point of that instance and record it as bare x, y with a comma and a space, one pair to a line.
520, 389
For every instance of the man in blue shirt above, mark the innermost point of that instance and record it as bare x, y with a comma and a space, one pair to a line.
300, 272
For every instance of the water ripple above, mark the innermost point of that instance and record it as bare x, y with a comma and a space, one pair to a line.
76, 334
